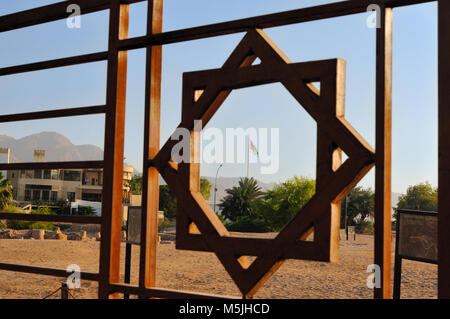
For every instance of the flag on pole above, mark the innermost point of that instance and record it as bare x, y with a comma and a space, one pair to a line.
252, 147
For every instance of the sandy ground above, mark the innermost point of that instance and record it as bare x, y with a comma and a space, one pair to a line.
202, 272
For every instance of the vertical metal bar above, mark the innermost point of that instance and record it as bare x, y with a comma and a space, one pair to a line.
398, 263
329, 159
150, 184
64, 291
444, 150
383, 152
127, 279
114, 150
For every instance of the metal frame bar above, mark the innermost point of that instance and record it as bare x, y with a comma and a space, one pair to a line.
383, 147
20, 19
87, 110
444, 149
115, 107
114, 151
52, 165
163, 293
150, 185
52, 218
57, 11
45, 271
57, 63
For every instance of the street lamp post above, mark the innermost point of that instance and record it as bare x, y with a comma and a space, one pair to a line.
215, 186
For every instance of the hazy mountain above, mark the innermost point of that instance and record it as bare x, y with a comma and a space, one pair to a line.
57, 148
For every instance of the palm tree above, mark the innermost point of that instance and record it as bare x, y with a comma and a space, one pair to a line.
239, 199
6, 195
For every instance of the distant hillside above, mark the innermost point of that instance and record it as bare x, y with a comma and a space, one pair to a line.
57, 148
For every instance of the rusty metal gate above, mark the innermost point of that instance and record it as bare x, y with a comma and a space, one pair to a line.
203, 93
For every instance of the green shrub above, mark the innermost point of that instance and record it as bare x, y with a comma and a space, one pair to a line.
248, 224
364, 227
21, 224
166, 223
12, 209
62, 208
86, 211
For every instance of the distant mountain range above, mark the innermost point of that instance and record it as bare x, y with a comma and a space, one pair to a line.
57, 148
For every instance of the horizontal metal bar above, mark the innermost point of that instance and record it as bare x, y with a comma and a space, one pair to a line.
58, 11
46, 271
52, 165
52, 218
424, 260
38, 66
53, 12
417, 212
48, 13
163, 293
88, 110
308, 14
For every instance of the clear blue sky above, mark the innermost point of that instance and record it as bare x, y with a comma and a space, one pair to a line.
414, 99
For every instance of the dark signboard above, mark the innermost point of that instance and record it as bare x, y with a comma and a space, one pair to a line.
417, 235
416, 239
134, 225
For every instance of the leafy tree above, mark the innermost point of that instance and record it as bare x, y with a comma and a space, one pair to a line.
284, 201
240, 200
167, 202
419, 197
62, 207
136, 185
360, 206
205, 188
6, 194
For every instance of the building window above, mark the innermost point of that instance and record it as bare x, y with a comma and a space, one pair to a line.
47, 174
36, 194
45, 195
38, 173
91, 197
28, 194
55, 174
72, 176
54, 196
71, 196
